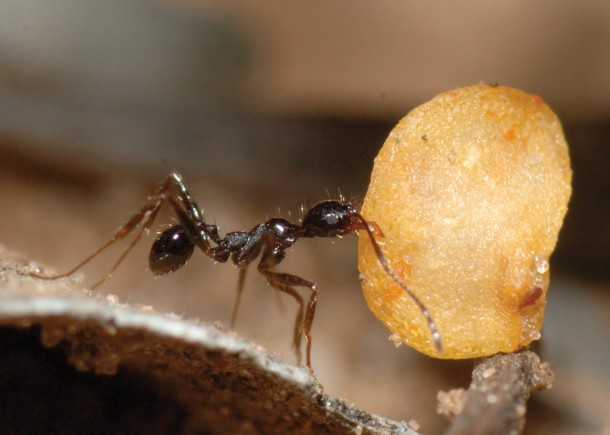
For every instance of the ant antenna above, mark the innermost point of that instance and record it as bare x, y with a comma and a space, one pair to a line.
383, 261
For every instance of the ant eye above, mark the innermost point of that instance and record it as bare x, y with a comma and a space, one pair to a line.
170, 251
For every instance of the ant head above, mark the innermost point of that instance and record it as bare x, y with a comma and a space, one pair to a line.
331, 219
170, 251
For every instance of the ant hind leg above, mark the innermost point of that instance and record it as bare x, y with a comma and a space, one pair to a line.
146, 214
145, 217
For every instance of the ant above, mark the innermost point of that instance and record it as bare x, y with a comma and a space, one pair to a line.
268, 241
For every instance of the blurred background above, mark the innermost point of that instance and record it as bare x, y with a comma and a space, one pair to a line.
268, 106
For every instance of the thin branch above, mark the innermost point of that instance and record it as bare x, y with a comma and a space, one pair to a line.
495, 402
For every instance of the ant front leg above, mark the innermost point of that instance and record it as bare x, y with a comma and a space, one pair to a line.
286, 282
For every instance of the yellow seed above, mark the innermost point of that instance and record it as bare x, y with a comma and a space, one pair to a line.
470, 190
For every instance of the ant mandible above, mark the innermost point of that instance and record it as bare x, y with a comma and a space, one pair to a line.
269, 241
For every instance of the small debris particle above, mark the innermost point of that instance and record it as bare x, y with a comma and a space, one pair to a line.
451, 403
413, 424
489, 372
395, 338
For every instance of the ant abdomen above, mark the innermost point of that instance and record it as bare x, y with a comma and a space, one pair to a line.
170, 251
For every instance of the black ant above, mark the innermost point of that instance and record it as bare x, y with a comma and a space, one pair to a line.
267, 241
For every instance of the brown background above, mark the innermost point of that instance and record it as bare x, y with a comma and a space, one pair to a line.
267, 106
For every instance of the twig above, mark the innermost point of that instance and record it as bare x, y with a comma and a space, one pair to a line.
495, 402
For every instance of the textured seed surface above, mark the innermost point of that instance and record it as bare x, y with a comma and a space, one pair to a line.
470, 190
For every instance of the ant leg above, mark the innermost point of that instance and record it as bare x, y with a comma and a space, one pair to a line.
184, 206
309, 313
240, 289
146, 226
188, 214
150, 209
191, 218
286, 283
